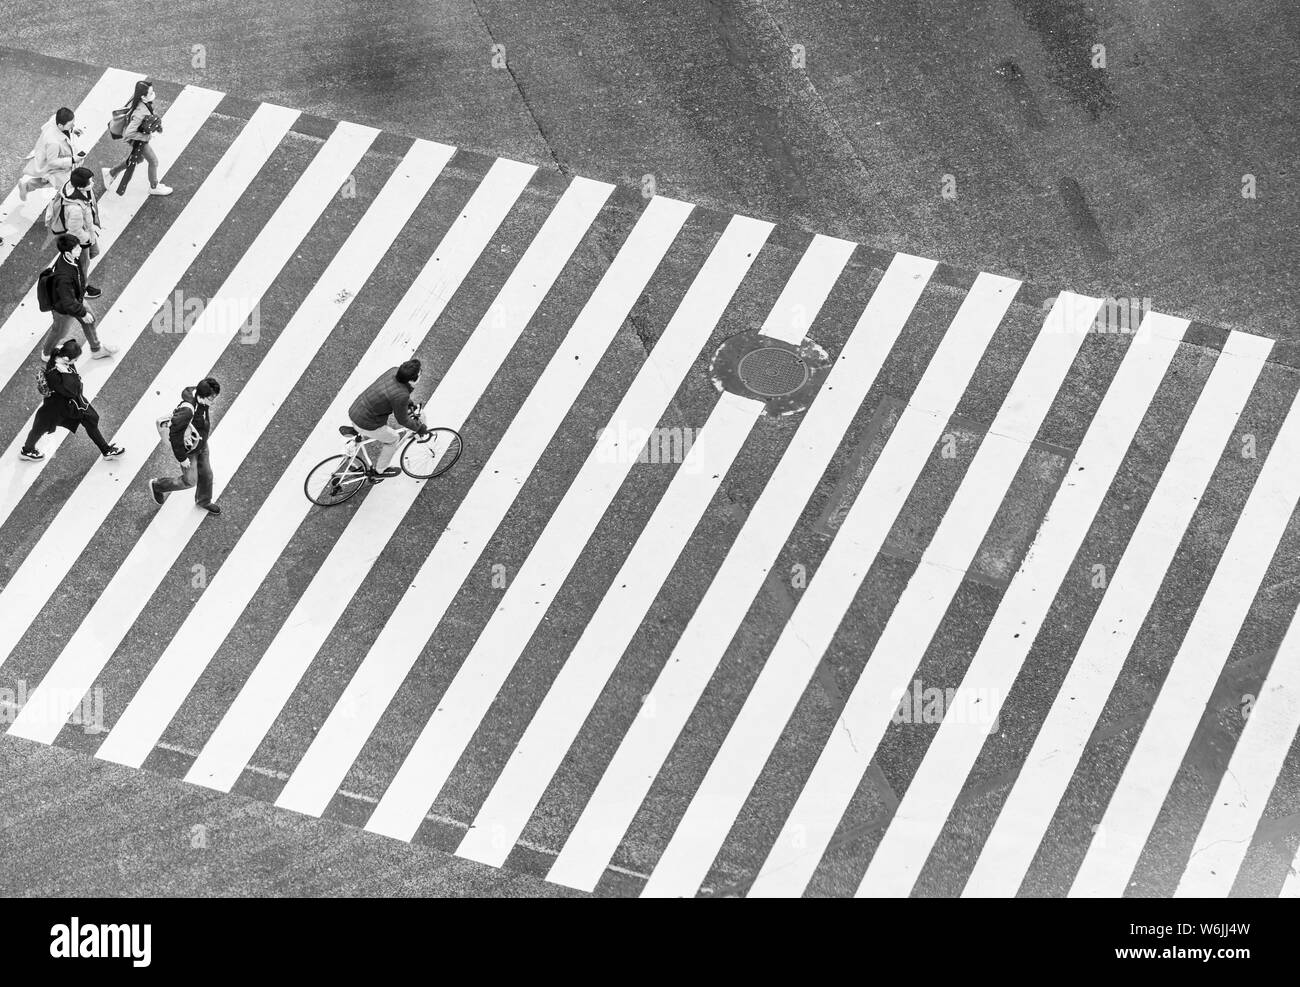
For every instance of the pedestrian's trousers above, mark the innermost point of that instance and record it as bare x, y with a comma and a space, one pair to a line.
199, 470
64, 326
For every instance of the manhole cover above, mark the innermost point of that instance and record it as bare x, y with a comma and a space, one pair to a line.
772, 372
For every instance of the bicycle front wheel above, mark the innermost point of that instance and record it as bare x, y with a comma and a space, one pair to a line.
431, 454
335, 480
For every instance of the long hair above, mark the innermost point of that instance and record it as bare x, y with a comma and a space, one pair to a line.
69, 349
141, 90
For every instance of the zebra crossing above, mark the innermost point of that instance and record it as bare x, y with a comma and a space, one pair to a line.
594, 734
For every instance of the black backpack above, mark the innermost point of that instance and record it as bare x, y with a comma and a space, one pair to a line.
44, 289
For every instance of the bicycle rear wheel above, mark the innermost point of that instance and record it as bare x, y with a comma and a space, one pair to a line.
335, 480
432, 454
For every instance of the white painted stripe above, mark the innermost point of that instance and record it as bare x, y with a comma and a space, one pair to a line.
810, 283
108, 93
732, 590
27, 323
381, 673
1010, 847
1243, 792
1177, 711
81, 515
480, 677
170, 530
571, 697
515, 794
735, 769
156, 277
948, 760
200, 637
821, 804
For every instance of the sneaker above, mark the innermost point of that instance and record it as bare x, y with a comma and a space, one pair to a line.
22, 189
33, 454
103, 353
161, 190
114, 452
107, 175
92, 291
153, 492
210, 508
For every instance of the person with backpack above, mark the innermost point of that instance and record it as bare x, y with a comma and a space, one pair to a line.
50, 163
73, 210
66, 292
136, 123
65, 404
186, 431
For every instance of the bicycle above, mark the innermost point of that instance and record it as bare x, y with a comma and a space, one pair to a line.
422, 457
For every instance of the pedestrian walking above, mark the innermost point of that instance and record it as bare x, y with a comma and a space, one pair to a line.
141, 123
186, 431
74, 210
50, 163
67, 293
65, 405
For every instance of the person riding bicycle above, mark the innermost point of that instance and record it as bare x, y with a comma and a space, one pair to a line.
389, 395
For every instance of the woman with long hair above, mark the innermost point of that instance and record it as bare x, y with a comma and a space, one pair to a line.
66, 404
141, 125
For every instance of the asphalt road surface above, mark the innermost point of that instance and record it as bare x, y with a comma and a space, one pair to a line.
566, 668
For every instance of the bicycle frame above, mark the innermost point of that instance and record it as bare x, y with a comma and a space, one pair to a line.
358, 447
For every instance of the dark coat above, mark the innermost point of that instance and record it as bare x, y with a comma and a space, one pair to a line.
190, 426
67, 406
66, 288
386, 396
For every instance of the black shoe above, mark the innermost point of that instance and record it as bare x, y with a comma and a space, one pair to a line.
114, 452
33, 454
153, 491
211, 508
92, 291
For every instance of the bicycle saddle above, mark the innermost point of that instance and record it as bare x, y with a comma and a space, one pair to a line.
347, 430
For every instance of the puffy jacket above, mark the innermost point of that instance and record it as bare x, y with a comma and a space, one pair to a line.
190, 426
132, 130
386, 396
66, 288
76, 213
53, 156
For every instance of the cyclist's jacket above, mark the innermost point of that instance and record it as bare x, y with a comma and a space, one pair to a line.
386, 396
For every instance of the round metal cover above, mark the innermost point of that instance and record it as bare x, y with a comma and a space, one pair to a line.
772, 372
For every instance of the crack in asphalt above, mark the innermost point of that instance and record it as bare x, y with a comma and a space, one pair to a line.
523, 96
